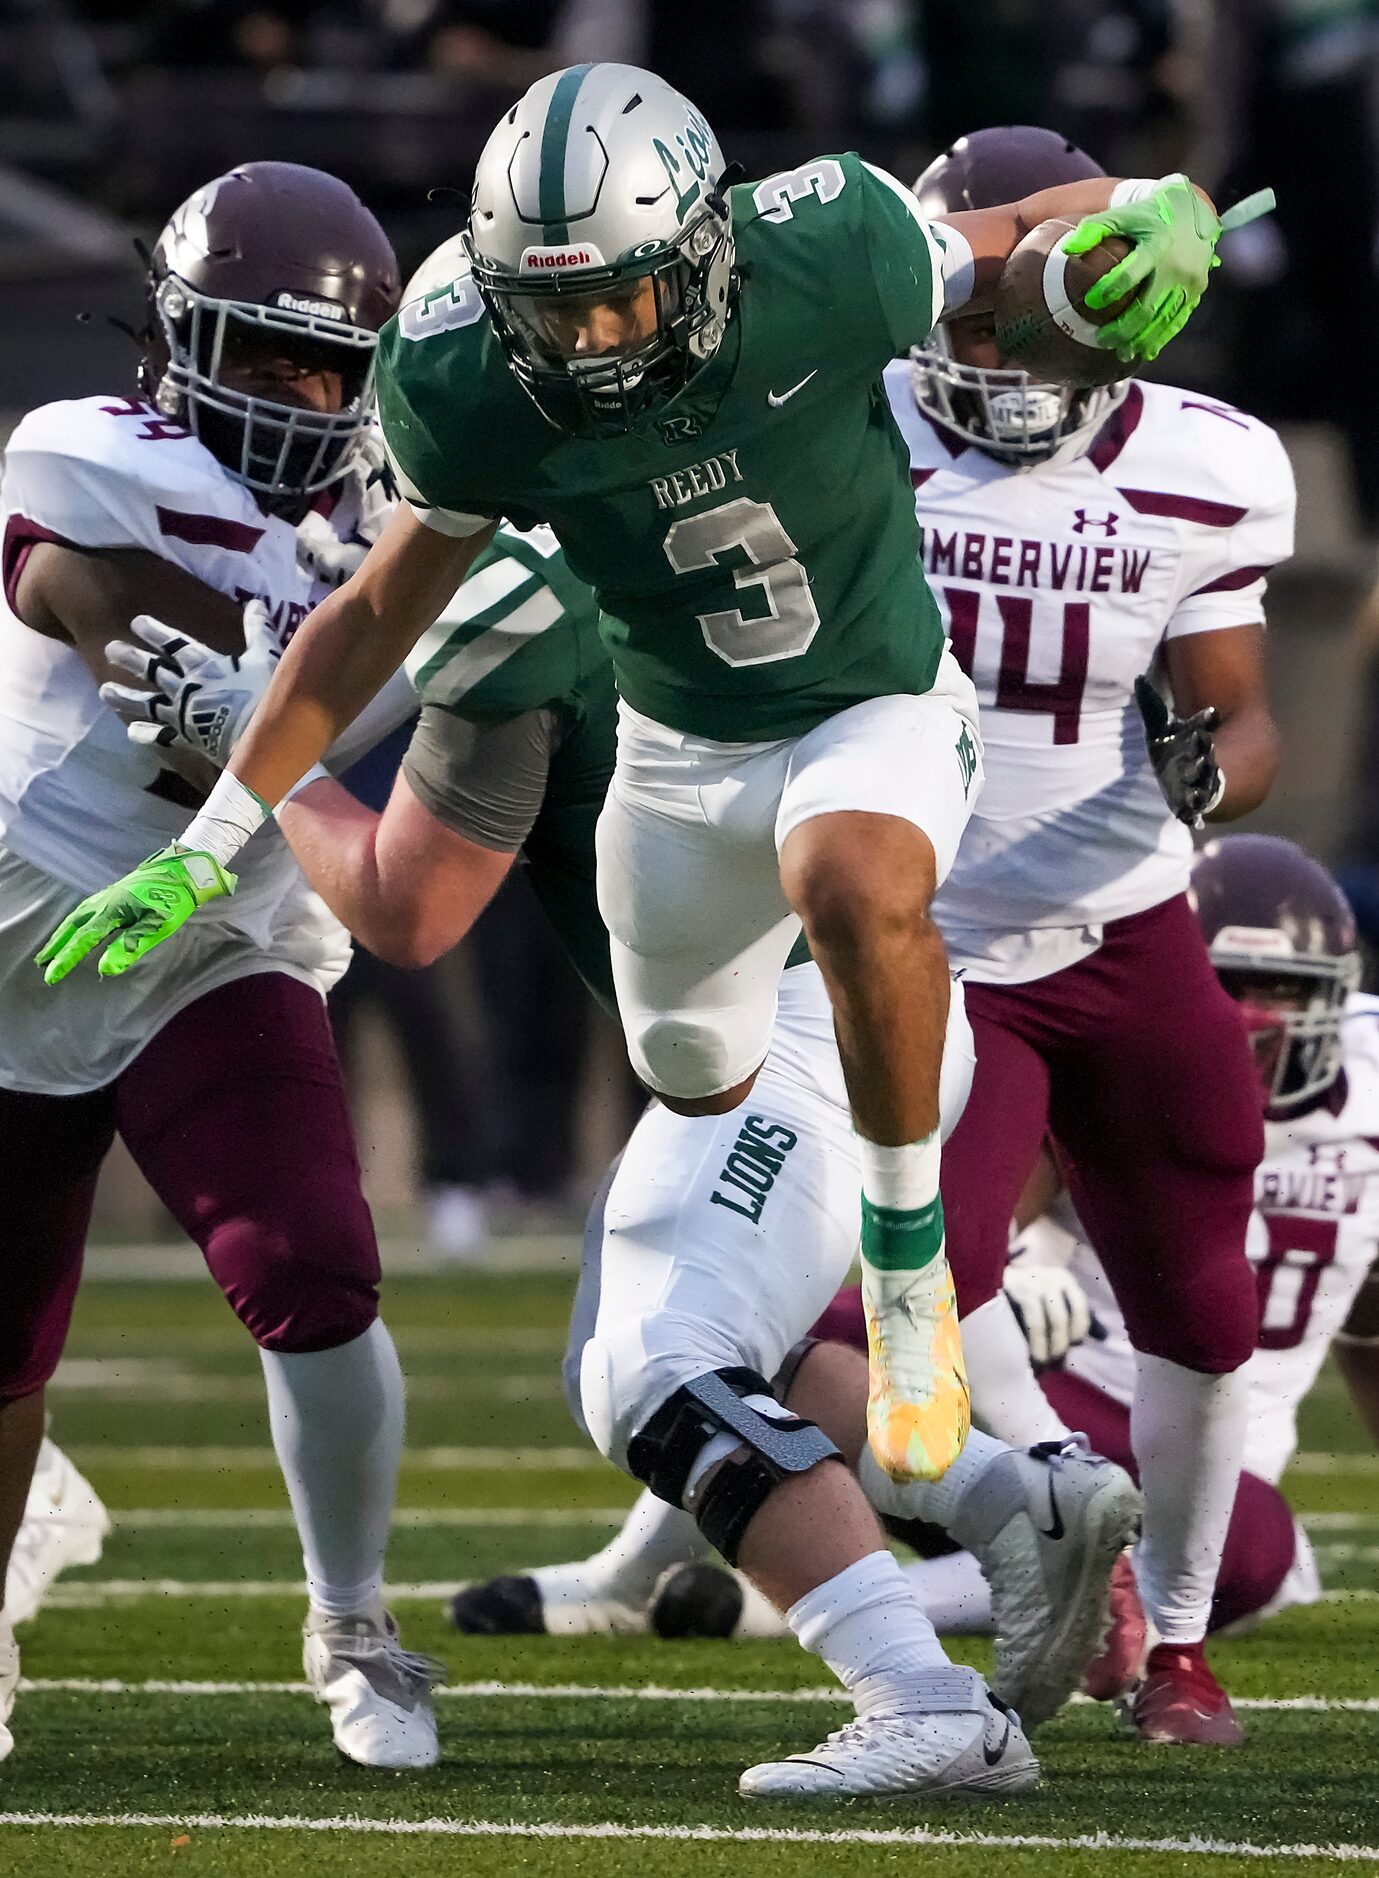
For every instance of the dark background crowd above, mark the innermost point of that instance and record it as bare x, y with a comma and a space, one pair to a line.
110, 114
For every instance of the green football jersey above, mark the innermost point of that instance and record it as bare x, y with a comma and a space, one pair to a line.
522, 635
752, 542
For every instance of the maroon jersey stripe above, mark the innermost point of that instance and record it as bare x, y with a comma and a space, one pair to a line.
1184, 508
1117, 431
209, 531
21, 538
1229, 583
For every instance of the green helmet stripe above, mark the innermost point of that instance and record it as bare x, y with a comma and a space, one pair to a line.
555, 136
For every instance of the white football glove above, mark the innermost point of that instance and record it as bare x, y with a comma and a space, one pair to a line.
192, 697
1051, 1308
320, 550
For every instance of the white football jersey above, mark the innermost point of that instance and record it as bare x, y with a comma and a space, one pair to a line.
1313, 1236
1058, 584
76, 808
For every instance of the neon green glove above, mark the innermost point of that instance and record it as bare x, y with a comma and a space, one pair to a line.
1174, 233
145, 908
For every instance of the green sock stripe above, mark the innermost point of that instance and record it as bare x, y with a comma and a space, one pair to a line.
894, 1240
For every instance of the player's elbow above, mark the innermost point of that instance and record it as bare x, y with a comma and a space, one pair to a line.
409, 943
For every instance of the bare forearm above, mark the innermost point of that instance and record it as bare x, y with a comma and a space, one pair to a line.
1247, 751
335, 840
405, 885
342, 655
348, 648
993, 233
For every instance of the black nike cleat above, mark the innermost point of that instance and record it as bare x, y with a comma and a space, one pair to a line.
696, 1601
499, 1607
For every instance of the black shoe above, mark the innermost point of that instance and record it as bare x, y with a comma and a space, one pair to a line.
500, 1607
696, 1601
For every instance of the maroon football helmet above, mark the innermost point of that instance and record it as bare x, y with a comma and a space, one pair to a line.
1003, 412
1282, 938
271, 258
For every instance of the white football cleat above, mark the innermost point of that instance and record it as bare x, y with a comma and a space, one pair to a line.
9, 1682
704, 1600
1047, 1526
378, 1694
64, 1524
958, 1740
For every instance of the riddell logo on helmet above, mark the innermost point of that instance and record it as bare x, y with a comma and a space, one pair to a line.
303, 303
537, 259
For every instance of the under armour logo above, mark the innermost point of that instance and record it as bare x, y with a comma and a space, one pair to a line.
679, 429
1084, 520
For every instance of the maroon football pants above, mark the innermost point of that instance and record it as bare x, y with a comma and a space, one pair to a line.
236, 1114
1260, 1541
1135, 1062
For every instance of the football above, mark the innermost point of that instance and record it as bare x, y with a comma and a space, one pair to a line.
1043, 322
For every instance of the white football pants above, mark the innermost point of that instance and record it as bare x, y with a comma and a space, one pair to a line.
688, 862
718, 1240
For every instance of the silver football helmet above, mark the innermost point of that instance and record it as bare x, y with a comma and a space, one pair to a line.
600, 236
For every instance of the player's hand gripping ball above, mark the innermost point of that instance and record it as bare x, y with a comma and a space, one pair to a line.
1088, 304
1043, 322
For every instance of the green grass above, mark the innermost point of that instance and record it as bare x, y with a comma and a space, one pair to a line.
152, 1367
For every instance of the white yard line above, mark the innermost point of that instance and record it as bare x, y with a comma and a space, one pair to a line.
90, 1593
608, 1692
701, 1834
1344, 1552
216, 1518
158, 1459
1340, 1522
177, 1459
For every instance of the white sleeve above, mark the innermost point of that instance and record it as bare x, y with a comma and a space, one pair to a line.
445, 521
1229, 553
957, 269
93, 474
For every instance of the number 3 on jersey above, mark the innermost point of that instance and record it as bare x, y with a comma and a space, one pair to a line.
785, 629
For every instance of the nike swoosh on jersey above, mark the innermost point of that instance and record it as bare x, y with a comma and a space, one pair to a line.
784, 397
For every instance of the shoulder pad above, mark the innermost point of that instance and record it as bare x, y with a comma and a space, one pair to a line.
113, 473
1221, 462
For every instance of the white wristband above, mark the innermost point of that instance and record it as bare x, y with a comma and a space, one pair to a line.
225, 821
1217, 793
1140, 188
316, 773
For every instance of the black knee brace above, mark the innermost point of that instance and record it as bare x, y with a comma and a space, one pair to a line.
663, 1454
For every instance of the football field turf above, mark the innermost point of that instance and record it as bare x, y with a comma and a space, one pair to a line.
163, 1724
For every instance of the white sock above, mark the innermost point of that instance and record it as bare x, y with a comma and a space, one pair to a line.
867, 1627
934, 1500
904, 1179
1179, 1415
955, 1597
338, 1418
654, 1537
1006, 1398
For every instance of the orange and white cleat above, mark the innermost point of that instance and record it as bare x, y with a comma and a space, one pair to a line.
918, 1410
1120, 1664
1181, 1703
